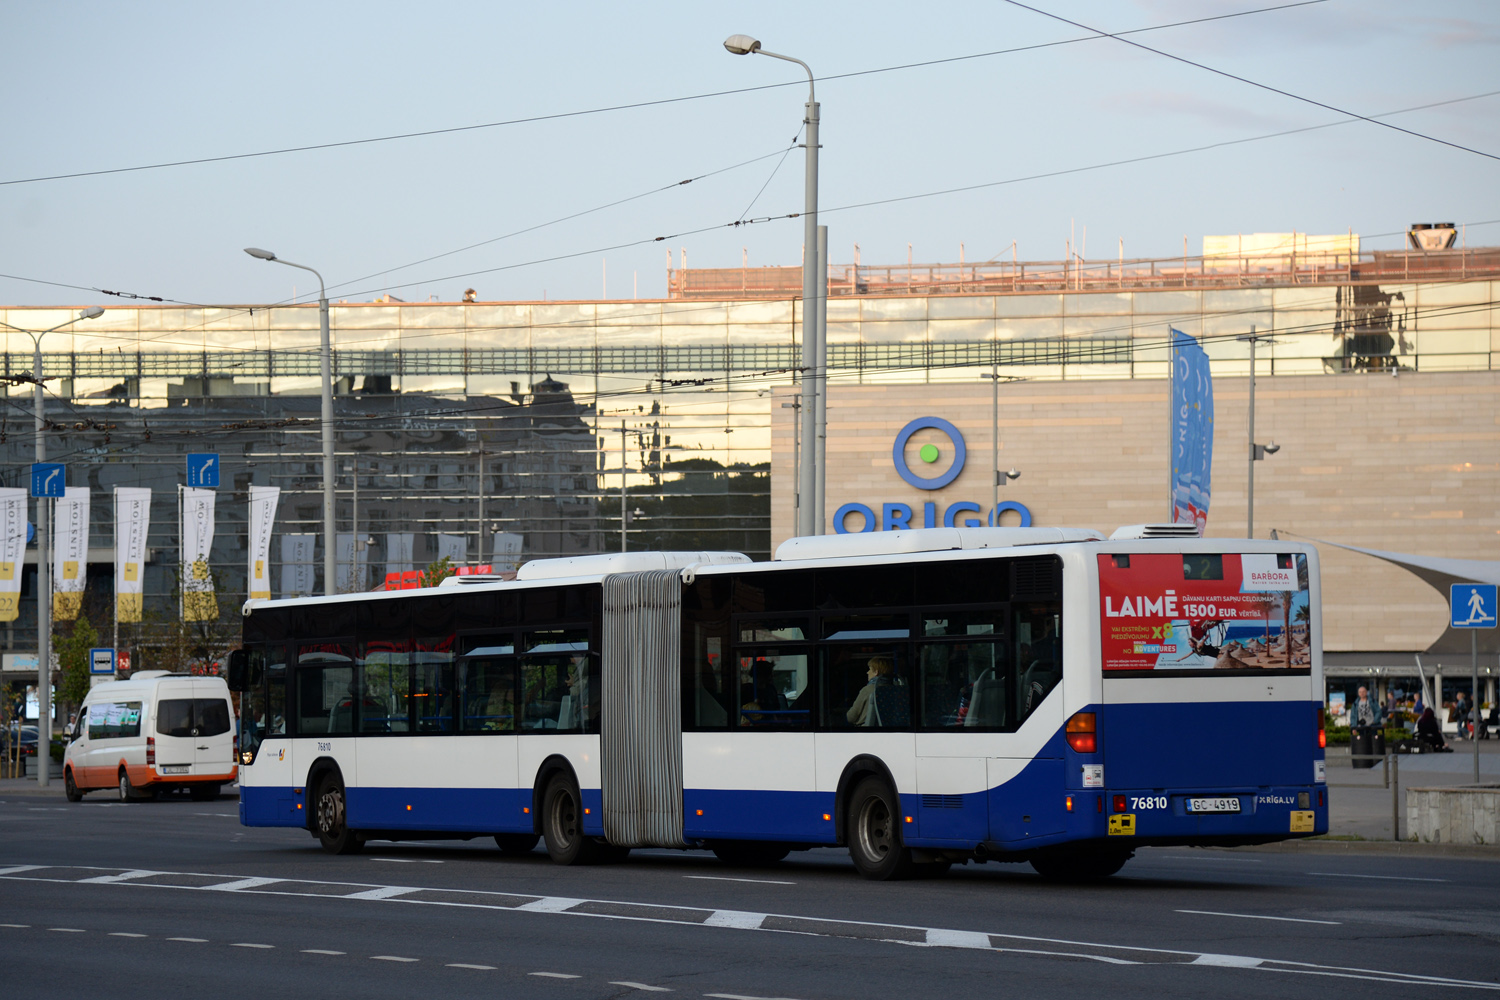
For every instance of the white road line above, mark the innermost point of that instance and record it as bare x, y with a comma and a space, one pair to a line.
322, 951
15, 869
249, 944
191, 940
741, 996
725, 878
554, 975
1228, 961
1185, 857
550, 904
1391, 878
68, 930
238, 884
466, 965
19, 927
738, 919
959, 939
121, 877
1258, 916
392, 958
639, 986
129, 934
383, 892
411, 861
223, 815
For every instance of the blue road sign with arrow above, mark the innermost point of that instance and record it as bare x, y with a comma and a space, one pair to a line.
1472, 605
47, 479
203, 471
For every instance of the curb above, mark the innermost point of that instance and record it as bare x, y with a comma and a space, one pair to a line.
1404, 848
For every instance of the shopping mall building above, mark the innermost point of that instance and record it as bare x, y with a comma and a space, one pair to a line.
585, 426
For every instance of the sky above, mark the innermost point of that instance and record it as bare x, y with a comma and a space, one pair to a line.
98, 86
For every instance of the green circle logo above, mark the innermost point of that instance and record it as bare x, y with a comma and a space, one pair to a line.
928, 454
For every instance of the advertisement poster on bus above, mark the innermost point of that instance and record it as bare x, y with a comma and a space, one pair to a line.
1204, 612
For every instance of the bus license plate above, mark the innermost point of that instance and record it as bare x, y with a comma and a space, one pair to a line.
1213, 805
175, 769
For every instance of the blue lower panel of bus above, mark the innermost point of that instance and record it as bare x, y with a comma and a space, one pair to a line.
711, 814
461, 810
271, 807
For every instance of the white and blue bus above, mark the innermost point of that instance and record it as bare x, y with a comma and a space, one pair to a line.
920, 697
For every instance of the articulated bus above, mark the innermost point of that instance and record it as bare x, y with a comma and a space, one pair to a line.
920, 697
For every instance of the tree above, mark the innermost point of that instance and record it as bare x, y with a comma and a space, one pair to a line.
437, 572
73, 661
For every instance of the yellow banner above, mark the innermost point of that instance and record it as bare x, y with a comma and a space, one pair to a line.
12, 550
132, 521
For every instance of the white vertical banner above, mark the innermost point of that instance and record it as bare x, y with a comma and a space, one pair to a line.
262, 519
70, 553
352, 565
399, 549
507, 551
12, 550
198, 601
297, 567
132, 521
455, 548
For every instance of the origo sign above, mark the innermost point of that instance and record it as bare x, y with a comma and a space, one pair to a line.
895, 516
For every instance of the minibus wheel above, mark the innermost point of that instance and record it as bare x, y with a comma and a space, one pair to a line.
562, 824
874, 832
516, 843
129, 793
70, 789
330, 814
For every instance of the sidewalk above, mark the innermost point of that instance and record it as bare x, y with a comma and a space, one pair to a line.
27, 786
1360, 803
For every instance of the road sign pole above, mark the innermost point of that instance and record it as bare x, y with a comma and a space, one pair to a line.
1474, 697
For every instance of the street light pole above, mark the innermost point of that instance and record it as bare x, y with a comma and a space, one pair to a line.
44, 557
812, 362
1257, 451
330, 556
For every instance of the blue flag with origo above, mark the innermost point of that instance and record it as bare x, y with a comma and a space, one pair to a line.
1192, 431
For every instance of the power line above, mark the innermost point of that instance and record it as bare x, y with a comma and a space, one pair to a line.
622, 107
1263, 86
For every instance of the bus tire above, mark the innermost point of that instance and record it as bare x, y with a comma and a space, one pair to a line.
750, 853
1077, 867
69, 788
330, 818
562, 824
874, 832
516, 843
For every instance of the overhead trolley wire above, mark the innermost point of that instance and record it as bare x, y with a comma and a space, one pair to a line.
309, 147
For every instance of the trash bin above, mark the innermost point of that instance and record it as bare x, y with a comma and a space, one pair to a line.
1361, 745
1377, 745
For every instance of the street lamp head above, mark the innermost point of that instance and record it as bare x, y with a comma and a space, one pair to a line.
1013, 474
742, 45
260, 254
92, 312
1272, 448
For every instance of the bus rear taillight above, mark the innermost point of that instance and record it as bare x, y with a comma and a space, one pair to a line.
1081, 732
1322, 729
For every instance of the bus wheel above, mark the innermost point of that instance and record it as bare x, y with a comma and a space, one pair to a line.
333, 832
562, 825
516, 843
750, 853
1080, 867
875, 834
70, 789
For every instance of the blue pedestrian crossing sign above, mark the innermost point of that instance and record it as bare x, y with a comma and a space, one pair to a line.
203, 471
47, 479
1472, 605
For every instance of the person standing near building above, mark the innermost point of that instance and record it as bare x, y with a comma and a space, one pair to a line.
1461, 714
1366, 711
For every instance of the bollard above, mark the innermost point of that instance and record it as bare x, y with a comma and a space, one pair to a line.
1395, 796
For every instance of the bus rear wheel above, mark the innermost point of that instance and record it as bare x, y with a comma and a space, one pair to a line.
1075, 867
562, 825
330, 815
874, 833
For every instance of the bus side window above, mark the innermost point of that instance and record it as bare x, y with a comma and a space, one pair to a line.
327, 690
1039, 659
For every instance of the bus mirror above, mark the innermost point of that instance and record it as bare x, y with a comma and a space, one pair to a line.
239, 670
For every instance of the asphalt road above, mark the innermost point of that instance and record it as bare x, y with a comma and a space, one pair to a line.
160, 898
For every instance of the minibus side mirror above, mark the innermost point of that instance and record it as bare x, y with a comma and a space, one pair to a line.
239, 670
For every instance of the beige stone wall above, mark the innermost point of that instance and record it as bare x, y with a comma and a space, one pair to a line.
1409, 464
